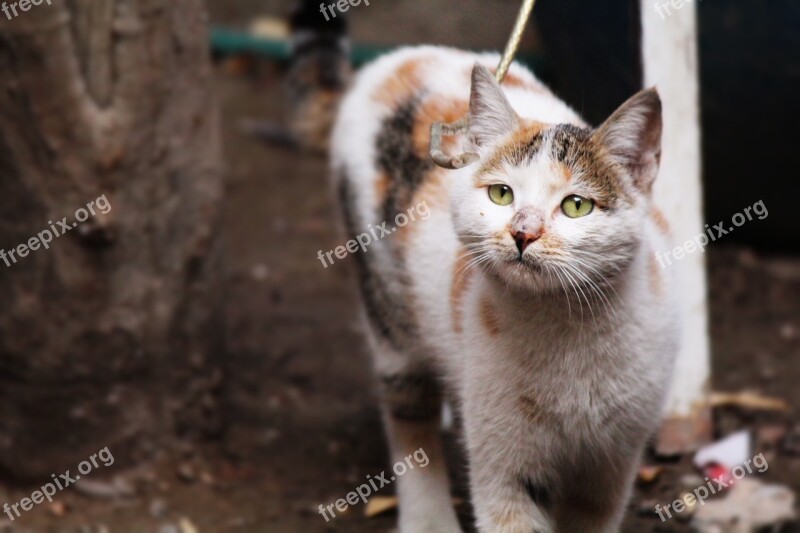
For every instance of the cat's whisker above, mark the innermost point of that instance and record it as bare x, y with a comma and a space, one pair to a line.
564, 288
484, 256
591, 264
595, 255
575, 287
590, 284
598, 264
606, 282
610, 308
580, 281
598, 295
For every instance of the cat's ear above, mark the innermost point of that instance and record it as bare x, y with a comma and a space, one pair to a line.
490, 114
632, 137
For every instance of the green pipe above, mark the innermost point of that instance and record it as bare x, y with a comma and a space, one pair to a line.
231, 42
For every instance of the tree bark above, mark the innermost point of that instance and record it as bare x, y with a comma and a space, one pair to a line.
110, 337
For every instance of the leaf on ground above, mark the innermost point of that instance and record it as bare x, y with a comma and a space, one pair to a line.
748, 400
380, 504
648, 474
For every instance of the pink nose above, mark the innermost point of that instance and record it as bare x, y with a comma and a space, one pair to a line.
527, 227
525, 239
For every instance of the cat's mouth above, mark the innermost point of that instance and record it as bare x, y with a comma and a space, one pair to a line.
524, 272
526, 263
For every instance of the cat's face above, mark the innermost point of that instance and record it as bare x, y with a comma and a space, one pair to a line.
552, 206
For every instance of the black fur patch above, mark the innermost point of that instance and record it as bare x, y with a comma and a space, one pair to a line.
568, 142
540, 495
412, 397
397, 158
387, 311
319, 50
516, 154
307, 16
522, 155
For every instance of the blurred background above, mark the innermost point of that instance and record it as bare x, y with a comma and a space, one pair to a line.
193, 332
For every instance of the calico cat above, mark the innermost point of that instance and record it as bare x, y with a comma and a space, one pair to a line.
531, 296
318, 75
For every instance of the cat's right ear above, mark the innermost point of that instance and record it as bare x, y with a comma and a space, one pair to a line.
490, 115
632, 136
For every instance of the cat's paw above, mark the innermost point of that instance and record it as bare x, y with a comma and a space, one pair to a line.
430, 524
517, 519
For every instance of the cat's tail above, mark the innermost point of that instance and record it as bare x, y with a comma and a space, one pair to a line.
319, 74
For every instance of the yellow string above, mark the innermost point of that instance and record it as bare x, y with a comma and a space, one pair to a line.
439, 129
514, 40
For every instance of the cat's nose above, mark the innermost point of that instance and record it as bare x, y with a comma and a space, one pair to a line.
527, 226
525, 239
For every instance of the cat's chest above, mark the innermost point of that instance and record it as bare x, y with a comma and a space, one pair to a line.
563, 386
573, 369
542, 341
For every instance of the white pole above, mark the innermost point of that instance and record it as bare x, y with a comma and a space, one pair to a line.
669, 50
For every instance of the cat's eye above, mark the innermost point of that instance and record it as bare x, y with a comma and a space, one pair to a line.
575, 206
501, 194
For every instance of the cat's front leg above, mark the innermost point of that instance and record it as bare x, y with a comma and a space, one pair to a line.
595, 499
506, 499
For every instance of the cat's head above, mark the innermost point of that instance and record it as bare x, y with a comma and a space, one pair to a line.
552, 204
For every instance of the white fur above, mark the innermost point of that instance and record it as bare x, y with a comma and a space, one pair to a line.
596, 369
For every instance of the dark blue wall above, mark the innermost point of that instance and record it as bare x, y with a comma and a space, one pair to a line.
750, 74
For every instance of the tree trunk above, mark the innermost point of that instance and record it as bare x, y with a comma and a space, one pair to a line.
110, 335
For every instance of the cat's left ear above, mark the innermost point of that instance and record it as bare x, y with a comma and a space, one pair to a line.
632, 137
490, 115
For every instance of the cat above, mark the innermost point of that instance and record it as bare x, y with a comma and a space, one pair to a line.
319, 71
530, 297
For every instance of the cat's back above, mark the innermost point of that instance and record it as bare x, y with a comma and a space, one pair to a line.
382, 170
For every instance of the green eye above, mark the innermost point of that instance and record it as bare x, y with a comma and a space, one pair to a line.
501, 194
577, 206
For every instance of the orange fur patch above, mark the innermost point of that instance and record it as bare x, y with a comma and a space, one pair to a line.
459, 285
661, 221
436, 109
656, 283
565, 171
517, 81
382, 183
530, 408
512, 80
550, 241
527, 130
406, 82
489, 317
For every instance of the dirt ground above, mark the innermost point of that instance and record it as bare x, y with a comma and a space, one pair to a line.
306, 430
